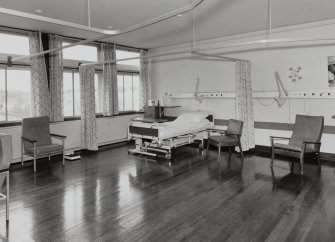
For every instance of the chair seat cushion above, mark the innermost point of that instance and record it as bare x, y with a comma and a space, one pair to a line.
292, 147
45, 149
225, 140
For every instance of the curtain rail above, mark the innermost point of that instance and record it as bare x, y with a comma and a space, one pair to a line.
104, 33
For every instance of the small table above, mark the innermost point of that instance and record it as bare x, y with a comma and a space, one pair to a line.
149, 120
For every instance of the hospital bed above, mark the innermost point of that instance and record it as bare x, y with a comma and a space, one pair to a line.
159, 139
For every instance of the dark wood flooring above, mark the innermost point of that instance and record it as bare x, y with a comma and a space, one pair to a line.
111, 196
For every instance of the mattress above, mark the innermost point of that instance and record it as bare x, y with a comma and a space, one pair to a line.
175, 128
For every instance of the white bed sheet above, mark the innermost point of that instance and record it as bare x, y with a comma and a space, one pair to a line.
176, 128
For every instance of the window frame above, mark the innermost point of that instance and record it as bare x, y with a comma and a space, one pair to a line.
6, 68
129, 73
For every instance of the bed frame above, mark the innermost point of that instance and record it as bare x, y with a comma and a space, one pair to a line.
147, 141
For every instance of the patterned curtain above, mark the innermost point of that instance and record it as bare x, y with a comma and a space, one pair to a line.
56, 78
39, 82
87, 99
144, 79
244, 104
109, 84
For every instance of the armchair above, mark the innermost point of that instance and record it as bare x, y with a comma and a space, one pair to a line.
5, 159
305, 140
36, 139
227, 138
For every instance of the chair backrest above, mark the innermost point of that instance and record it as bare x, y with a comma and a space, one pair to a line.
307, 128
235, 127
5, 154
36, 129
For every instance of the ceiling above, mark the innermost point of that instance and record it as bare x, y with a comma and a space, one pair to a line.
213, 18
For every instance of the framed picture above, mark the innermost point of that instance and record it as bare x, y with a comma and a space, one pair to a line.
331, 71
295, 73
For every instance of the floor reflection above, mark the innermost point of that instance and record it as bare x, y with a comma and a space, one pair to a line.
110, 196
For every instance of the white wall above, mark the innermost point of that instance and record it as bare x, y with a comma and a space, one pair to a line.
110, 130
178, 73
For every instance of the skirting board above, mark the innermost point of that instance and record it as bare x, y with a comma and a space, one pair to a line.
100, 145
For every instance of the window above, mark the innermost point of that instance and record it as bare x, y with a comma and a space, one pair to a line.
128, 92
15, 94
128, 84
14, 44
122, 54
71, 90
80, 52
71, 93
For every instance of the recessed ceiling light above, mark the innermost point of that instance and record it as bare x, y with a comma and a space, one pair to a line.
38, 11
179, 15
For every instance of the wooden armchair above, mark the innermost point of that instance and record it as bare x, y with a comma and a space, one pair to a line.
305, 140
226, 138
36, 139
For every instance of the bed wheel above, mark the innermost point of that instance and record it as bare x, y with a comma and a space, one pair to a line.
168, 156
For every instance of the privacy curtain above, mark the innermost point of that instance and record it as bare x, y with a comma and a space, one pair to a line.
244, 104
56, 78
144, 79
87, 99
109, 83
39, 82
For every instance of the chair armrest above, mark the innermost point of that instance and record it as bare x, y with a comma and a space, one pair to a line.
220, 131
28, 140
277, 137
58, 136
311, 142
4, 170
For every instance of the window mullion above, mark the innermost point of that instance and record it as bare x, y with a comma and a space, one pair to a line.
124, 104
73, 105
6, 97
132, 92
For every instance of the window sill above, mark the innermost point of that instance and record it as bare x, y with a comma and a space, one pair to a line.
10, 124
18, 123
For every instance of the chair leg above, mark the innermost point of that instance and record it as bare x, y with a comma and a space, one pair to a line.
219, 152
7, 196
241, 151
292, 166
34, 162
302, 163
22, 152
272, 155
317, 156
207, 147
63, 159
229, 153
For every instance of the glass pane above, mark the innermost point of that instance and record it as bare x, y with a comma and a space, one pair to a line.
122, 54
128, 93
14, 44
76, 94
80, 52
2, 96
18, 91
68, 94
120, 91
136, 92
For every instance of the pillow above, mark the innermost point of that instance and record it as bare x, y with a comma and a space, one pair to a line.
192, 117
